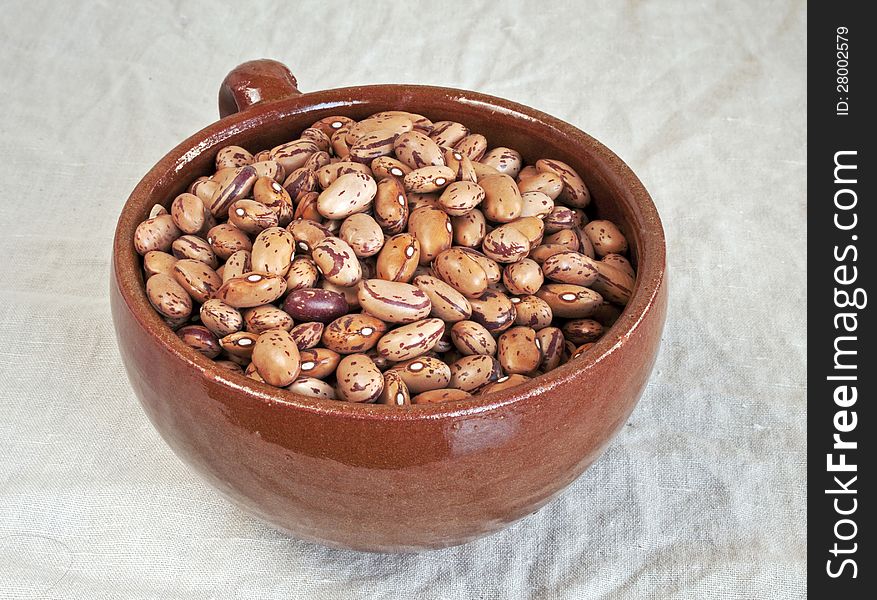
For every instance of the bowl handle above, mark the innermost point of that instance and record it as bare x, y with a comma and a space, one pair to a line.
255, 81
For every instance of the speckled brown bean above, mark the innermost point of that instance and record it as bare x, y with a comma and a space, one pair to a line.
350, 193
199, 280
506, 244
156, 261
195, 248
319, 362
420, 122
582, 349
387, 166
473, 372
313, 388
319, 159
504, 160
490, 266
502, 199
268, 168
470, 337
416, 201
201, 339
428, 179
220, 318
470, 229
307, 335
363, 234
315, 304
392, 301
398, 258
460, 197
613, 283
565, 237
473, 146
302, 273
233, 156
447, 303
276, 357
570, 267
606, 237
236, 265
307, 208
253, 374
168, 297
353, 333
447, 133
359, 380
494, 311
340, 147
619, 262
238, 187
551, 342
460, 164
437, 396
327, 174
546, 182
574, 193
293, 155
570, 301
433, 231
523, 277
251, 289
532, 311
518, 350
395, 391
391, 206
373, 144
424, 373
416, 150
239, 344
336, 261
273, 251
329, 125
205, 190
267, 316
531, 227
157, 233
504, 383
582, 331
226, 239
188, 213
560, 218
536, 204
411, 340
300, 182
543, 252
306, 233
461, 271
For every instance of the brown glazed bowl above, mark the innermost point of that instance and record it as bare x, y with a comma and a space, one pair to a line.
384, 478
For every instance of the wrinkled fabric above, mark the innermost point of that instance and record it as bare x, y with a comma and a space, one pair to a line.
700, 496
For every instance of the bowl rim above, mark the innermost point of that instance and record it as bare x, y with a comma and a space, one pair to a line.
130, 283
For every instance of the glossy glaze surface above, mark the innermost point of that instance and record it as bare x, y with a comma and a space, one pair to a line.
376, 477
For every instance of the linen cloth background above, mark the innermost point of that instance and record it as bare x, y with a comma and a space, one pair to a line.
701, 495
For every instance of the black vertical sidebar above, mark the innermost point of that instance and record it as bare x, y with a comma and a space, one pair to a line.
842, 438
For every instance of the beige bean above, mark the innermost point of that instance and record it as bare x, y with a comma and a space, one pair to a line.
575, 193
580, 350
543, 252
373, 144
168, 297
504, 160
395, 391
570, 267
300, 182
504, 383
506, 244
276, 357
350, 193
239, 186
523, 277
565, 237
391, 205
319, 159
307, 208
156, 261
236, 265
582, 331
461, 271
460, 197
469, 229
329, 125
195, 248
560, 218
200, 339
398, 258
320, 139
220, 318
319, 362
490, 266
157, 233
251, 289
411, 340
536, 204
226, 239
363, 234
340, 147
387, 166
353, 333
546, 182
268, 168
532, 311
460, 164
614, 284
395, 124
448, 133
233, 156
420, 122
307, 233
189, 213
258, 319
424, 373
470, 337
349, 293
441, 395
359, 380
416, 200
552, 344
199, 280
270, 193
531, 227
502, 199
570, 301
433, 231
473, 372
205, 190
253, 373
606, 237
473, 146
307, 335
619, 262
336, 261
239, 344
392, 301
447, 303
251, 216
416, 150
293, 155
494, 311
428, 179
302, 273
482, 171
518, 350
273, 251
312, 388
